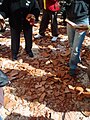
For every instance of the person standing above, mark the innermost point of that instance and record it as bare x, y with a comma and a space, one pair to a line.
86, 27
21, 14
77, 11
51, 7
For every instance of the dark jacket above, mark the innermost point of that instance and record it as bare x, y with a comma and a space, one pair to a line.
78, 9
17, 10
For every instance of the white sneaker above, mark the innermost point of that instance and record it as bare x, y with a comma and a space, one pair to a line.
54, 39
38, 36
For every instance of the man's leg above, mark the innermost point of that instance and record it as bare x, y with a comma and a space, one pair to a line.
75, 53
76, 41
71, 34
15, 43
28, 41
54, 27
44, 22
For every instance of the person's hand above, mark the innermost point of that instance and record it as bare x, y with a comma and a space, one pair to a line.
82, 27
2, 23
31, 19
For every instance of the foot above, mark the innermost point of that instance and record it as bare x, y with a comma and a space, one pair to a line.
72, 72
30, 54
54, 39
38, 36
14, 57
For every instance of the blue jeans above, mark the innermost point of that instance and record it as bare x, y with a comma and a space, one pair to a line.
1, 118
76, 39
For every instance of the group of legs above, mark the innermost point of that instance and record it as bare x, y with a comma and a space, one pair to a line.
75, 38
15, 42
48, 15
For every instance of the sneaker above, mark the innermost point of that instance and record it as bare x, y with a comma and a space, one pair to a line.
54, 39
72, 72
38, 36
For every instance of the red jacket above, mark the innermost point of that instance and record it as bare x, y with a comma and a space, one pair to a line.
51, 5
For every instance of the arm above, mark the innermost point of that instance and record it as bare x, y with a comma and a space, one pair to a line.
34, 10
83, 27
78, 26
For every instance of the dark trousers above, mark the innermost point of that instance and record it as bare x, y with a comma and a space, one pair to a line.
49, 15
40, 2
15, 40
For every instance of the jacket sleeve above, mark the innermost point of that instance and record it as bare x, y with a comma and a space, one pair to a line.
35, 10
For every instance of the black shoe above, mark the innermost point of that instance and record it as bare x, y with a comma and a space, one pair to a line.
14, 57
72, 72
30, 54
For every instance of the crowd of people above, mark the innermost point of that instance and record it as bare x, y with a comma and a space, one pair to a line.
22, 15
